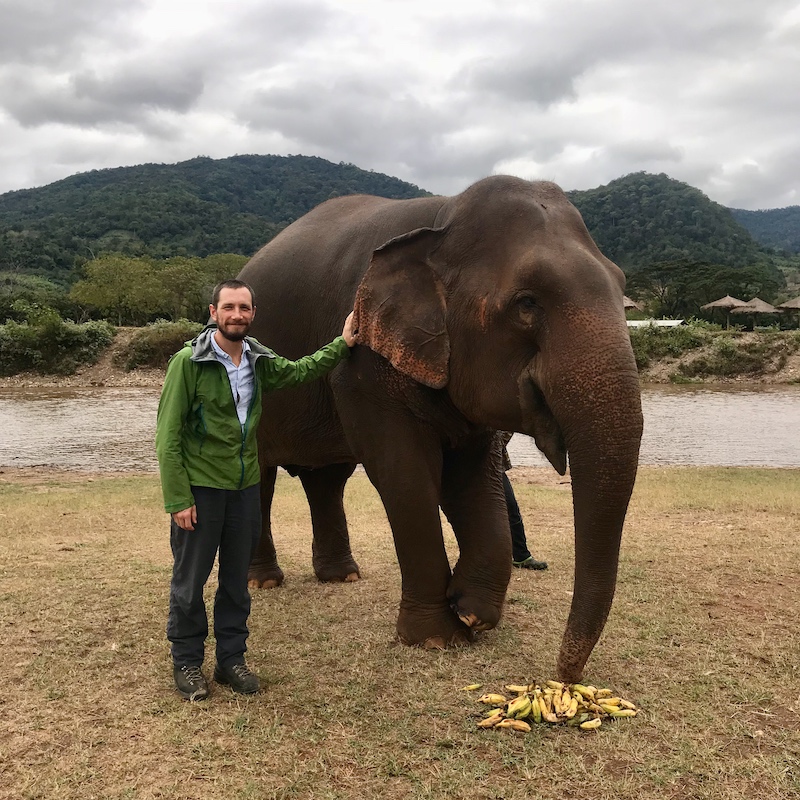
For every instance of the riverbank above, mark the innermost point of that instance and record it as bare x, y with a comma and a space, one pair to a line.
106, 372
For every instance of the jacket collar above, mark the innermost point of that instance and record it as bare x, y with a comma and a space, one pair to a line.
203, 351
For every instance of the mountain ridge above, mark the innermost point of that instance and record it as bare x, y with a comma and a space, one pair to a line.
234, 205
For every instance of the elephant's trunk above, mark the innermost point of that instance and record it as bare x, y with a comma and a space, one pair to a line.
595, 399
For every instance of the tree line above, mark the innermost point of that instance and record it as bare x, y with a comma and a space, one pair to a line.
124, 290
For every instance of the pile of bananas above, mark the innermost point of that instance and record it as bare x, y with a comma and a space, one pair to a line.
576, 705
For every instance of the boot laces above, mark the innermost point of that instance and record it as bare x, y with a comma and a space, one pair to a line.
193, 674
241, 670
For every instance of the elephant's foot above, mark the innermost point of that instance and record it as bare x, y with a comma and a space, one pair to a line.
266, 576
433, 627
477, 613
337, 572
478, 608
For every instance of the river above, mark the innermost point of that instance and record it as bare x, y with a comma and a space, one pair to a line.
112, 429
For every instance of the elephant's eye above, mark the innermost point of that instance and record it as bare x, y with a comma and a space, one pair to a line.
525, 309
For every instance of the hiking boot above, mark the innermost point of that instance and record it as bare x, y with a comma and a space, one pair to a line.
191, 682
238, 677
530, 563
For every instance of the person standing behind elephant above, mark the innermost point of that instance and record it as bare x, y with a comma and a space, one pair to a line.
520, 555
206, 445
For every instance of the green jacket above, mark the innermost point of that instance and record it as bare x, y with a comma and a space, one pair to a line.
199, 441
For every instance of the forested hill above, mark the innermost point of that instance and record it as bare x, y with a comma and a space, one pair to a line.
642, 219
777, 228
234, 205
196, 207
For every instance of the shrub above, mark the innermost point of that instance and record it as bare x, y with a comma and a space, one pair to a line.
731, 356
47, 344
651, 342
154, 345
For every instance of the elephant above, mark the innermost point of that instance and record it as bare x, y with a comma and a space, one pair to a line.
491, 310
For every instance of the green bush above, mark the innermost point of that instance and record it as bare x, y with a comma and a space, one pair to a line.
47, 344
733, 356
650, 342
154, 345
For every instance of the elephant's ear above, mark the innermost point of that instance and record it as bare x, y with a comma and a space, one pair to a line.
400, 308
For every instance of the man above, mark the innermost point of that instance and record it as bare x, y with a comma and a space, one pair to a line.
520, 555
206, 444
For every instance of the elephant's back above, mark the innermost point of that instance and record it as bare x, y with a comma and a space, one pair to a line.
305, 279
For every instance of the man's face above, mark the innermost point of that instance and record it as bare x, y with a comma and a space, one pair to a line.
233, 313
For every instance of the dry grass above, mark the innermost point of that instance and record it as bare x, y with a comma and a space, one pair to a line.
703, 635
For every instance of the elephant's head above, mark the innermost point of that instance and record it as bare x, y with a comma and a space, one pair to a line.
508, 305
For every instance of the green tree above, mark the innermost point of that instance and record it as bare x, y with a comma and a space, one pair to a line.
123, 288
679, 288
19, 290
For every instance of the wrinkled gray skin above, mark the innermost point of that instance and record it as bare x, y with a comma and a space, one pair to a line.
490, 310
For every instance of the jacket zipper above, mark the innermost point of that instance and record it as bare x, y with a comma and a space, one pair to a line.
247, 421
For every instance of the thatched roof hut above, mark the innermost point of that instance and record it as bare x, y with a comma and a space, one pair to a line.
726, 303
755, 306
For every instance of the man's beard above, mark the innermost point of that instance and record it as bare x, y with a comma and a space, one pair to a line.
234, 335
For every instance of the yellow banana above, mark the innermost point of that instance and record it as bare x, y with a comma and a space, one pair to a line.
551, 718
607, 708
471, 687
591, 724
583, 691
602, 693
577, 720
516, 688
519, 707
572, 710
627, 704
514, 724
493, 699
536, 710
543, 707
622, 712
557, 706
491, 722
612, 701
566, 699
555, 685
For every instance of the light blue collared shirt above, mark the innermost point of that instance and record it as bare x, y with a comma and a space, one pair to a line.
241, 378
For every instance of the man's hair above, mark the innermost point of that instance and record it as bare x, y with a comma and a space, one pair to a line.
233, 283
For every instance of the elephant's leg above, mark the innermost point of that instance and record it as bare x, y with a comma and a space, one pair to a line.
331, 554
474, 502
402, 458
410, 497
264, 570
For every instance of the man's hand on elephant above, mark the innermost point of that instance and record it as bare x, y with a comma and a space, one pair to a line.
186, 519
348, 334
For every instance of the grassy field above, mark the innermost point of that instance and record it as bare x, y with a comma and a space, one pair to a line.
703, 636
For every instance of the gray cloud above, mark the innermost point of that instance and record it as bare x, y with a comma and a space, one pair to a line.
50, 31
438, 94
87, 99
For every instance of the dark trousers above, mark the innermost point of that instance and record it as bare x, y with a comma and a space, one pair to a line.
228, 522
519, 545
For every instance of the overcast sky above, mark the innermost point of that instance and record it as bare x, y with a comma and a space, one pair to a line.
436, 92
